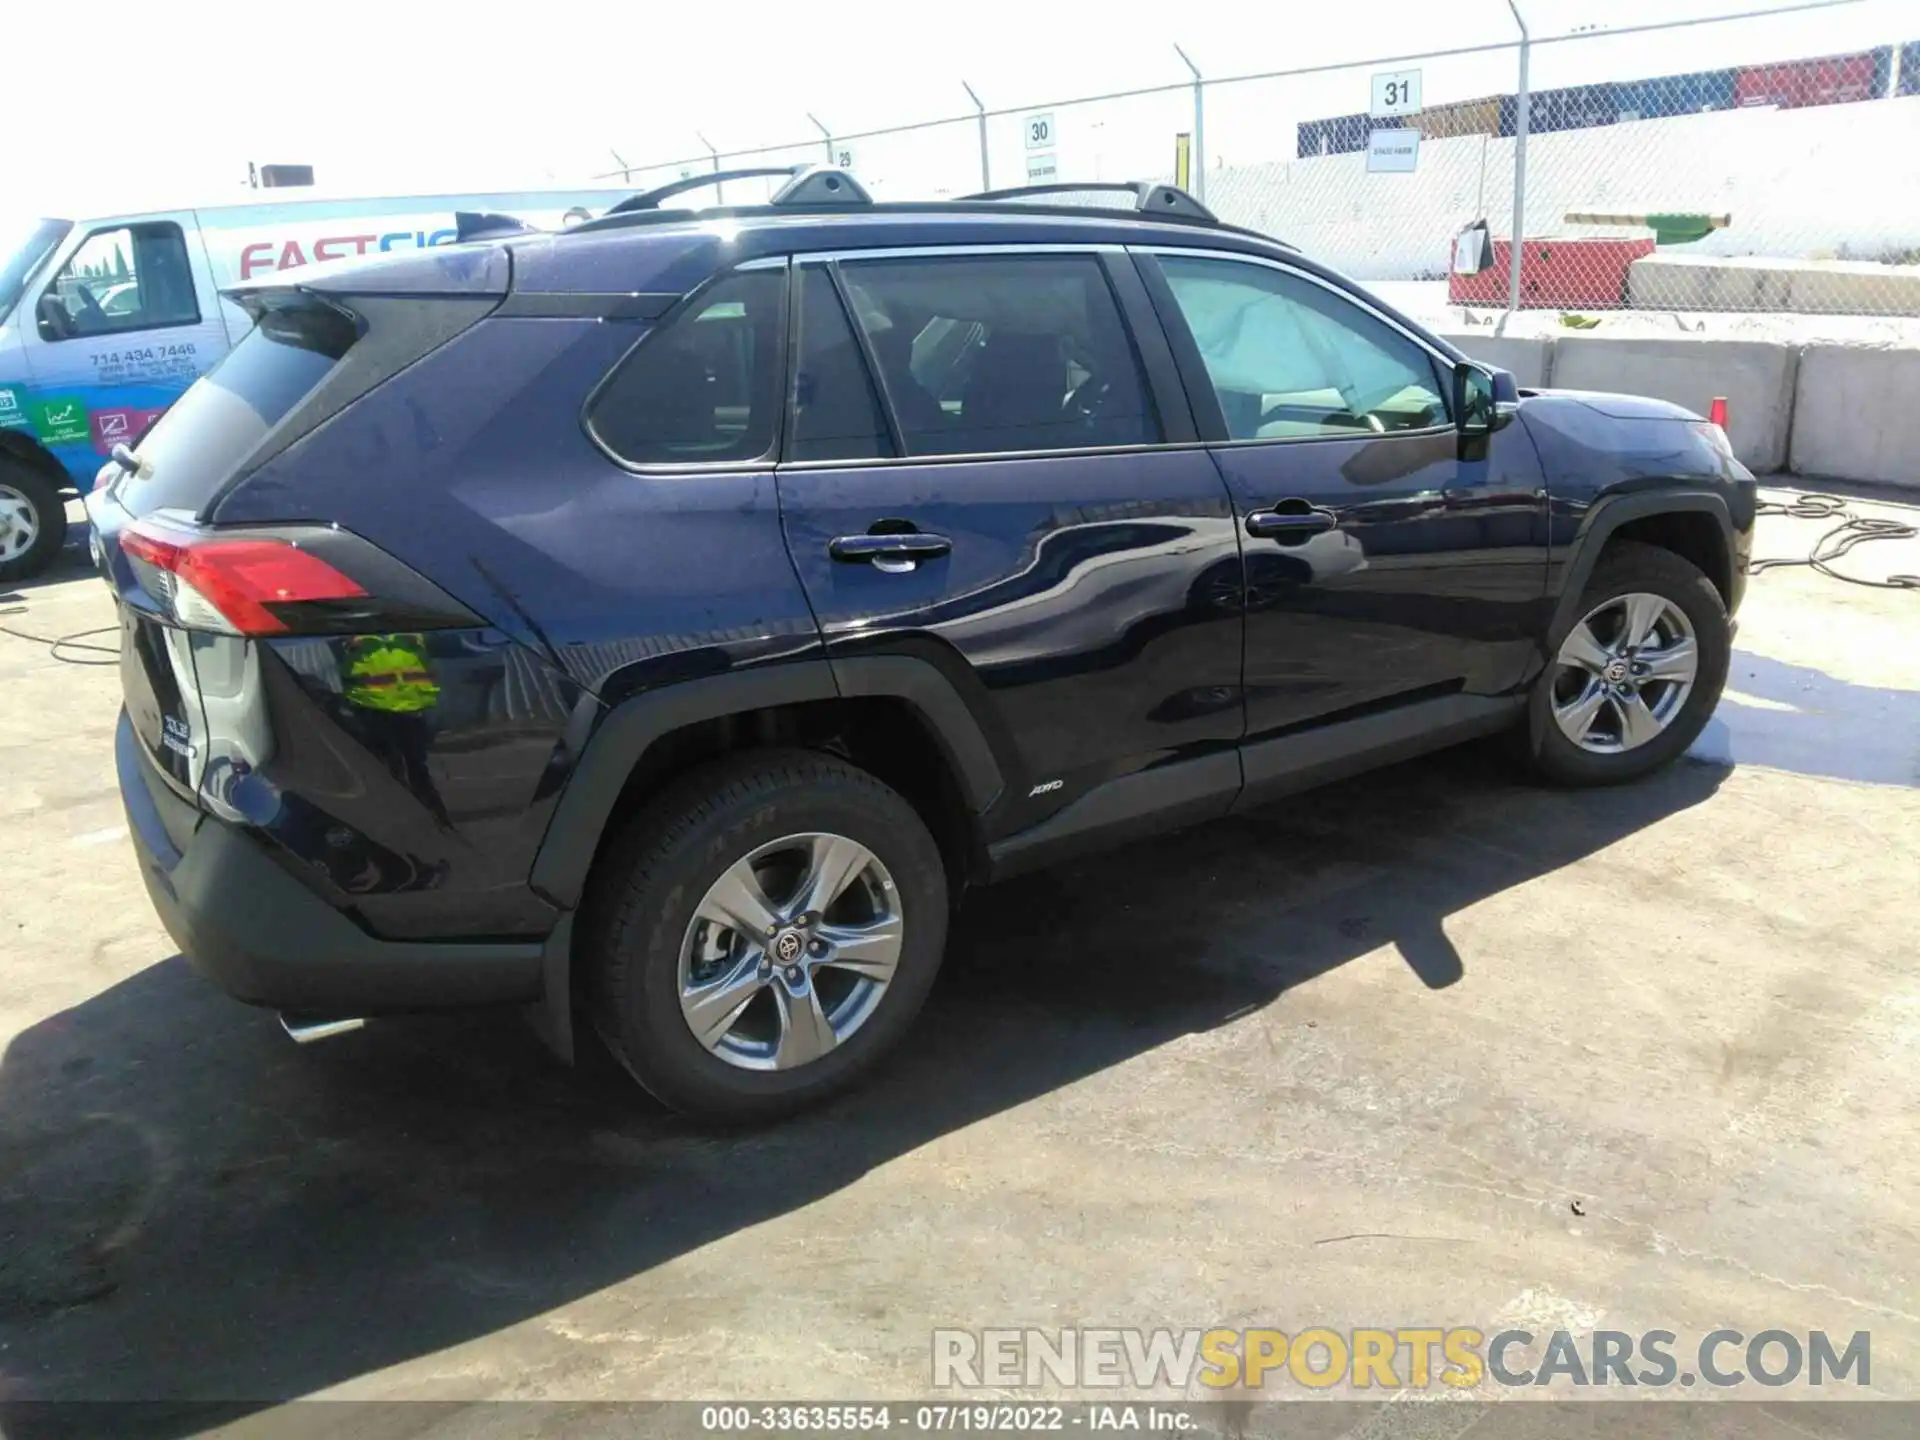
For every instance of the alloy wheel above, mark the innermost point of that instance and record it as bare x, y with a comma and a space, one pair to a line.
19, 524
790, 951
1624, 672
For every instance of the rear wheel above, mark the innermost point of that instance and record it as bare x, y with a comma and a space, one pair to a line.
763, 933
33, 520
1634, 679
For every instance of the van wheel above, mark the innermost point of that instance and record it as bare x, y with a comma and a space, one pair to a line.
33, 521
763, 933
1633, 681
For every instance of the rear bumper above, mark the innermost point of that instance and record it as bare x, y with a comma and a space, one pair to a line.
263, 937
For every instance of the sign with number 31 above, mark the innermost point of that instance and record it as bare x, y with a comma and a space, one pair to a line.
1396, 92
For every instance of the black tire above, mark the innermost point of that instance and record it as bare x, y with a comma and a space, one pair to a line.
646, 886
1628, 567
42, 494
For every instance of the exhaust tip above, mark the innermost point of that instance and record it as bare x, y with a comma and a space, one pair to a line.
310, 1029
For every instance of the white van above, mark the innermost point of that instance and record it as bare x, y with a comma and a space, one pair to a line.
104, 322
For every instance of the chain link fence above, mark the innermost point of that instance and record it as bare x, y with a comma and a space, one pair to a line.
1719, 167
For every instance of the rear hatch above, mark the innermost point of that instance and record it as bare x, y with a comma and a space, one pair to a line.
196, 598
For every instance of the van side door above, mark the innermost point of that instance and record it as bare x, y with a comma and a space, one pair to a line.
113, 333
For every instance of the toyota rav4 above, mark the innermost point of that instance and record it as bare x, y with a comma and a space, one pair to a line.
661, 623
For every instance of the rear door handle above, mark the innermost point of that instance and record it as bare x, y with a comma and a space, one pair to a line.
891, 553
1289, 524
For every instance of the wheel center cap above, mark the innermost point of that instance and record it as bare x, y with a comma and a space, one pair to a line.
787, 946
1615, 673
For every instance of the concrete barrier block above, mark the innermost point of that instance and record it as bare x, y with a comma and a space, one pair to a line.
1857, 414
1530, 360
1797, 287
1756, 376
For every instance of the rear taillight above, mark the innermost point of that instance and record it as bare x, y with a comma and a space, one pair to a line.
250, 586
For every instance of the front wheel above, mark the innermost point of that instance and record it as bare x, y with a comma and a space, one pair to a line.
33, 521
763, 933
1633, 681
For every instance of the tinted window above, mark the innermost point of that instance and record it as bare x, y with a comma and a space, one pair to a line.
1289, 358
302, 363
835, 414
226, 414
134, 277
1002, 353
705, 386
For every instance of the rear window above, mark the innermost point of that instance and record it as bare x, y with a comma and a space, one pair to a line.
704, 388
302, 363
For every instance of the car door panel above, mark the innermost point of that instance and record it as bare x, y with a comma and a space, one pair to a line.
1094, 598
1085, 601
1428, 579
1382, 568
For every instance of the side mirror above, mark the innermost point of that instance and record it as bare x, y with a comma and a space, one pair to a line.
1476, 410
1473, 402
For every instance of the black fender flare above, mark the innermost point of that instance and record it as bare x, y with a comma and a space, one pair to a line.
23, 447
624, 734
1608, 514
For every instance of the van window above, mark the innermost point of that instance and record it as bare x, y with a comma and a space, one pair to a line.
704, 388
22, 247
1002, 353
132, 277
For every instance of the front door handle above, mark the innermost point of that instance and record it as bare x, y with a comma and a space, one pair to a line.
1295, 522
894, 554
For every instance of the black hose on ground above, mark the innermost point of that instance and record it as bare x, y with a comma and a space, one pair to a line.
1852, 530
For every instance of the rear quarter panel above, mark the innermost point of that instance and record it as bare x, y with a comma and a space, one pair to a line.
473, 468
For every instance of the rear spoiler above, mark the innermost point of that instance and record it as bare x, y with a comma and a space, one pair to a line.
258, 300
485, 225
436, 270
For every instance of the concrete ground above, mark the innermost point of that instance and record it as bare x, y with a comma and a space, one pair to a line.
1427, 1048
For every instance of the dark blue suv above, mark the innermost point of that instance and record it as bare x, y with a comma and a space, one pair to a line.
661, 623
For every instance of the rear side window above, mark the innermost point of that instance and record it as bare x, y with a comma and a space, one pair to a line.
995, 354
703, 388
835, 413
303, 362
133, 277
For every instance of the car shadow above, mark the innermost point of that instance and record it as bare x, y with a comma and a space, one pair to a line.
1794, 717
193, 1210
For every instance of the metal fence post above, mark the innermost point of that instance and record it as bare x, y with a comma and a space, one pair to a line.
827, 134
986, 172
1522, 112
1199, 127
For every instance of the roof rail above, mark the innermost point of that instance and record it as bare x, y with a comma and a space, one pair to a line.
1148, 197
806, 185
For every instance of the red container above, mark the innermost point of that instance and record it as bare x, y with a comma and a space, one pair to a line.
1555, 274
1830, 80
